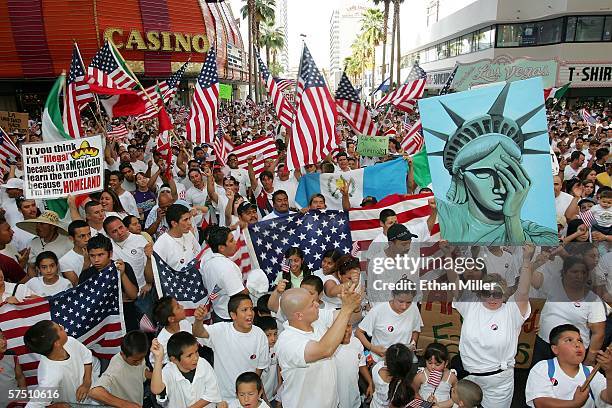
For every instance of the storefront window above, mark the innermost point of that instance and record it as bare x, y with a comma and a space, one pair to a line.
466, 43
607, 34
550, 31
484, 38
454, 47
442, 50
589, 28
508, 35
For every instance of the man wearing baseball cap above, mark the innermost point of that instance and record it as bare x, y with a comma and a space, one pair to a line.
247, 212
399, 240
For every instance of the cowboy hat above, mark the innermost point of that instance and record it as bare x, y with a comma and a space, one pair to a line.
47, 217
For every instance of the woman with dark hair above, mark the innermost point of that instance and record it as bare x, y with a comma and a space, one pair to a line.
393, 378
297, 268
110, 203
587, 174
588, 188
348, 271
577, 231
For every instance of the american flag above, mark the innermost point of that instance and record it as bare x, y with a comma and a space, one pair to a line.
222, 147
314, 232
169, 87
181, 115
404, 97
202, 125
284, 110
185, 286
151, 103
586, 116
285, 84
435, 378
116, 131
91, 312
108, 70
419, 403
413, 141
313, 131
241, 257
285, 265
449, 82
349, 106
8, 151
588, 218
355, 249
261, 149
78, 95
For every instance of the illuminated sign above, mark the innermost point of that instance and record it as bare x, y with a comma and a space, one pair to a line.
157, 40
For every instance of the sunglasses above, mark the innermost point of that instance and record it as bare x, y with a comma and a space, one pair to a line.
491, 294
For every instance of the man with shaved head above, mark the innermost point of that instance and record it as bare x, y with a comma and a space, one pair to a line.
305, 347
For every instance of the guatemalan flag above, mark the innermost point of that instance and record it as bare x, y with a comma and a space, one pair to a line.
377, 181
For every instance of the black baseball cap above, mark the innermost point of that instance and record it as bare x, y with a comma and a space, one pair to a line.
245, 206
368, 200
399, 232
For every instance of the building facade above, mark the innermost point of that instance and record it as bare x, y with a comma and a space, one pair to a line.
282, 23
497, 40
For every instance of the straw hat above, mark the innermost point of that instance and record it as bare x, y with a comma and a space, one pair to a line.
47, 217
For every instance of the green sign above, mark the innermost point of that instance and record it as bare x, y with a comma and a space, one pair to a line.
502, 69
225, 91
373, 146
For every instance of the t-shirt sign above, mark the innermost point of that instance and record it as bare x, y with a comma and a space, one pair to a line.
53, 170
373, 146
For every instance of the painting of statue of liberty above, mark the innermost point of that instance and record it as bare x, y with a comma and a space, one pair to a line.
489, 159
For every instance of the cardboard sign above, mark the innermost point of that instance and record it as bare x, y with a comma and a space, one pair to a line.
12, 121
53, 170
373, 146
442, 324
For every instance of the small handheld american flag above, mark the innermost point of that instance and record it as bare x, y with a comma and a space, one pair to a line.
588, 218
435, 378
355, 249
286, 265
419, 403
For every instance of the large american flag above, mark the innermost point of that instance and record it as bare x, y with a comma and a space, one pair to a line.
261, 149
8, 151
313, 131
202, 125
222, 147
314, 232
413, 140
108, 70
404, 98
349, 106
284, 110
185, 286
285, 84
78, 95
92, 313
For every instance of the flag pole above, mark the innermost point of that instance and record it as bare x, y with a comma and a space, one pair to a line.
95, 96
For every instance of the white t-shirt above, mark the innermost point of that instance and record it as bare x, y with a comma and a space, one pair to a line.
348, 358
177, 252
72, 261
20, 294
132, 251
235, 403
269, 375
129, 203
222, 202
39, 287
223, 277
330, 302
503, 265
242, 176
570, 173
539, 385
236, 353
59, 246
388, 327
196, 197
562, 202
67, 375
559, 309
164, 335
21, 239
290, 187
139, 166
603, 272
306, 385
603, 216
489, 337
182, 393
380, 399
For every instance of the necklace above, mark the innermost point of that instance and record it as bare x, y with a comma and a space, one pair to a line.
180, 241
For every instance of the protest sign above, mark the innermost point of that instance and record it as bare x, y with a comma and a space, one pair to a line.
373, 146
53, 170
489, 159
225, 91
442, 324
12, 121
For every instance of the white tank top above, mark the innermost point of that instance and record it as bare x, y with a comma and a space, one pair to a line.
442, 392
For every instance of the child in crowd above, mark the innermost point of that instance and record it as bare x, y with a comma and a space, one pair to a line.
188, 379
170, 314
269, 376
350, 362
348, 270
554, 381
65, 365
249, 389
435, 381
11, 376
237, 346
49, 282
466, 394
121, 385
392, 378
313, 284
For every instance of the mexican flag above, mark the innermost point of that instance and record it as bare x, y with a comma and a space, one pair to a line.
52, 124
555, 93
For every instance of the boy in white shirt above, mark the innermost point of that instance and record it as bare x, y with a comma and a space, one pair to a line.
269, 376
76, 260
65, 365
350, 362
188, 379
49, 282
170, 314
249, 389
554, 381
237, 346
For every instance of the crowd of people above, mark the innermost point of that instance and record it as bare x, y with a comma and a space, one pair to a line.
317, 339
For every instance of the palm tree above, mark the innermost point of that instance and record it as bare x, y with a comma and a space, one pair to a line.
396, 24
372, 31
360, 56
385, 33
273, 39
